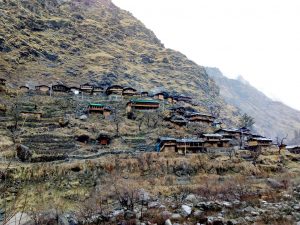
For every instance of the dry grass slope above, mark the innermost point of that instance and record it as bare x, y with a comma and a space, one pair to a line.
79, 41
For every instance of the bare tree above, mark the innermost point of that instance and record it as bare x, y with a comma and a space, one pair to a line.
153, 119
117, 117
126, 194
280, 141
92, 209
140, 119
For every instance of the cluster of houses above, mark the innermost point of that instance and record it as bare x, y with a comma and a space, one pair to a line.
113, 91
138, 100
222, 140
184, 115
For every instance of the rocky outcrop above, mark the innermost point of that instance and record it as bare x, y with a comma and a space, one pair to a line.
24, 153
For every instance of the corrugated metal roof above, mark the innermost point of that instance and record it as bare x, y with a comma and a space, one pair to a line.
96, 104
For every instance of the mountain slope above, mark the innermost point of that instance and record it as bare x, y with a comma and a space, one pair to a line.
46, 41
272, 118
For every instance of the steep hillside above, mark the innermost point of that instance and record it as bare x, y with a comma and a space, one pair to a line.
43, 42
272, 118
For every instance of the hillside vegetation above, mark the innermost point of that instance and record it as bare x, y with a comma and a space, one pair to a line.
44, 42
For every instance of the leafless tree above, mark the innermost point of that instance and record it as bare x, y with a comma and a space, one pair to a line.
126, 194
280, 141
92, 209
141, 120
117, 117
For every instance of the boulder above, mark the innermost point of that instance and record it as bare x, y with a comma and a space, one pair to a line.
186, 210
153, 205
176, 216
168, 222
274, 183
24, 153
191, 198
198, 213
116, 213
166, 214
249, 209
227, 204
83, 117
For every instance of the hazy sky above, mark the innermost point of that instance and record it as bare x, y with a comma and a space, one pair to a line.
258, 39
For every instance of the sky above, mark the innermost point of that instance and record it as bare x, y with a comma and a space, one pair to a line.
257, 39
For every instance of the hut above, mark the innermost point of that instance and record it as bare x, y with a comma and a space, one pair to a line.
99, 108
181, 146
128, 91
88, 88
2, 81
114, 89
199, 117
24, 89
295, 149
215, 141
182, 98
166, 144
255, 143
179, 120
142, 105
104, 139
60, 88
96, 108
230, 133
190, 145
42, 89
